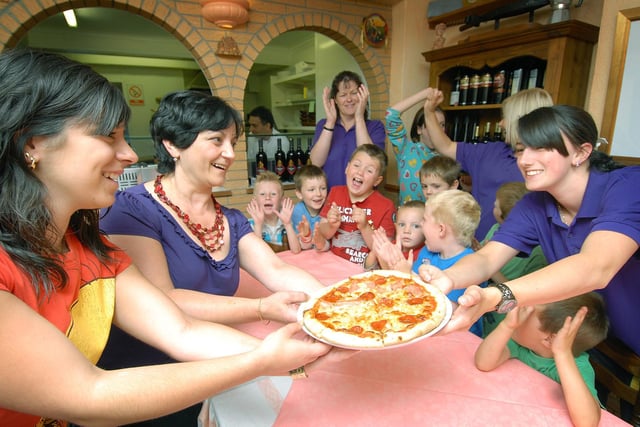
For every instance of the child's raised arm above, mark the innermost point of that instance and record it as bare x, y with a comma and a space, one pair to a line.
493, 351
257, 214
329, 225
304, 234
584, 408
285, 216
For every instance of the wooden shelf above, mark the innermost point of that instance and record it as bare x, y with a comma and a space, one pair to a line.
563, 50
535, 33
471, 107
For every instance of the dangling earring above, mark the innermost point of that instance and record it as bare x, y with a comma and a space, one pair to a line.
32, 161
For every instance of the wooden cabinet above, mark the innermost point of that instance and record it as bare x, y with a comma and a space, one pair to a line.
293, 100
564, 48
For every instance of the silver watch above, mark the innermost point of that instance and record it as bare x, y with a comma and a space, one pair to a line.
508, 301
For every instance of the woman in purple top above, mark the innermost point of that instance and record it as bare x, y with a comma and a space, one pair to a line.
188, 245
346, 126
489, 165
583, 210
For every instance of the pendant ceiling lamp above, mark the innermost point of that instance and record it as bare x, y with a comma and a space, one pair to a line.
225, 13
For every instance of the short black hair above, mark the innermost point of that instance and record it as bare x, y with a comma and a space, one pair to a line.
182, 115
264, 114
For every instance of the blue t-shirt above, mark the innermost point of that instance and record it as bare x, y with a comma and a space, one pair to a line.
274, 234
300, 210
443, 263
343, 143
611, 202
490, 166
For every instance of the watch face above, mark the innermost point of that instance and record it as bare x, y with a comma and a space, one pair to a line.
507, 306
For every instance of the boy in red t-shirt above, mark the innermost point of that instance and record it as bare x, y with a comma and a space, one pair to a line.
353, 211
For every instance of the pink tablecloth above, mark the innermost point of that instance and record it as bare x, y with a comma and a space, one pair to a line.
430, 382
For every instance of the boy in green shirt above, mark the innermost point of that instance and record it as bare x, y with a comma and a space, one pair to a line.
553, 339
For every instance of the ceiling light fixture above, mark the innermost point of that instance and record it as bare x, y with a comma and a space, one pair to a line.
225, 13
70, 17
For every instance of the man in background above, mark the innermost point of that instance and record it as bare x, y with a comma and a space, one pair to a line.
263, 126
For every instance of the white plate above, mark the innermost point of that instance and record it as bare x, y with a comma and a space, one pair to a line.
309, 303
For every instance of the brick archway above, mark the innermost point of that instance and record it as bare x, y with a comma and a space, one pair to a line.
340, 31
226, 76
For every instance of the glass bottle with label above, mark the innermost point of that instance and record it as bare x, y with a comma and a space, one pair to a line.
486, 138
300, 157
498, 86
292, 161
476, 134
281, 159
261, 158
307, 154
454, 98
464, 89
474, 88
485, 87
497, 133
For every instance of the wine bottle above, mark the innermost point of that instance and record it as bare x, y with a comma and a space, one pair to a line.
498, 86
292, 161
467, 128
300, 157
456, 134
307, 154
485, 85
486, 138
497, 133
474, 88
476, 134
454, 98
464, 89
281, 160
533, 78
261, 158
515, 82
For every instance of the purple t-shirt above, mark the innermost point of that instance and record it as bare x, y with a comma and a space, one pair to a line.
343, 143
611, 202
135, 212
490, 166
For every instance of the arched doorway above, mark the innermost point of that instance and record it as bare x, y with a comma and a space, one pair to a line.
227, 77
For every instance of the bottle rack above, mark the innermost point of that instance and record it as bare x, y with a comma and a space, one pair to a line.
562, 52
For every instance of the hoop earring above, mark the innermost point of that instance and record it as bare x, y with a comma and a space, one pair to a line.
32, 161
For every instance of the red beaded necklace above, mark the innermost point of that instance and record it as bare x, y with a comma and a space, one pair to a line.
211, 238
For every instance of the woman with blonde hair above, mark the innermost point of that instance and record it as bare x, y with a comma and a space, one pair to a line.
489, 165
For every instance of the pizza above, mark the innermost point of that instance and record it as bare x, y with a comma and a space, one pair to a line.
377, 309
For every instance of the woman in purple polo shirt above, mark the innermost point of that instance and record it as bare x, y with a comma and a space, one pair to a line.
346, 126
583, 210
489, 165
